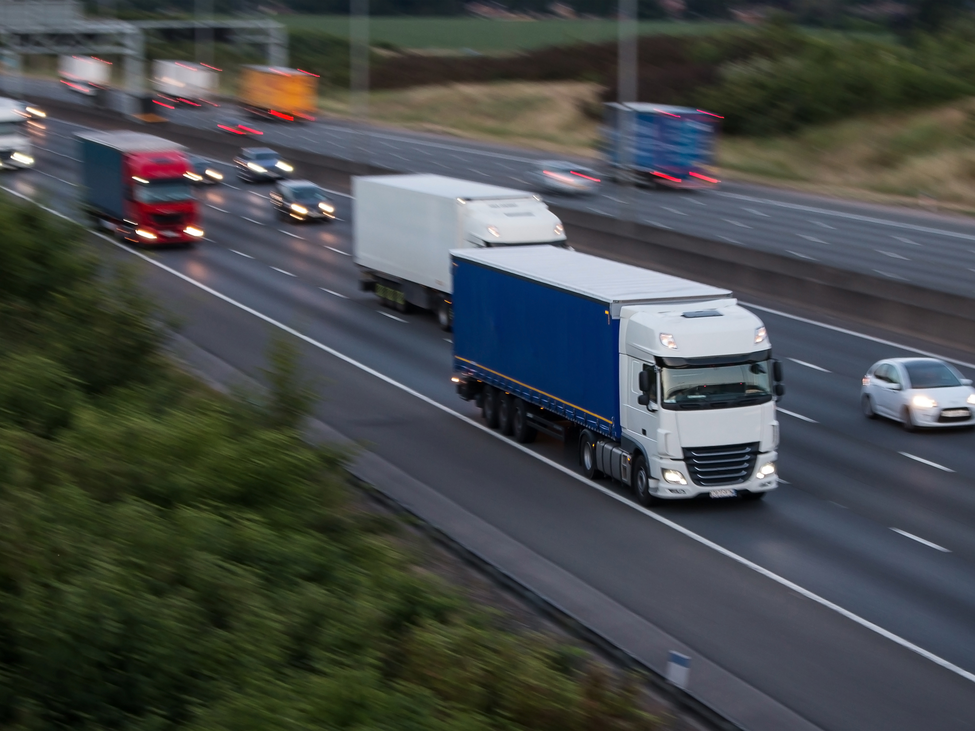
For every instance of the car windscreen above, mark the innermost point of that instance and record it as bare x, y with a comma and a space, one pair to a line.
930, 374
264, 156
163, 191
309, 194
714, 387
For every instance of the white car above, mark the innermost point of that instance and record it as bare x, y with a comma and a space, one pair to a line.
558, 176
918, 392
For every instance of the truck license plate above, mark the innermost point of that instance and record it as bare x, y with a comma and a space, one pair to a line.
723, 493
955, 412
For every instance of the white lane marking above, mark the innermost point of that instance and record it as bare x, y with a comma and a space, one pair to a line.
756, 212
241, 253
338, 251
288, 233
607, 492
913, 537
466, 150
801, 256
815, 240
736, 223
862, 336
695, 201
729, 239
673, 210
283, 271
820, 223
232, 187
259, 195
397, 156
448, 340
891, 254
889, 274
928, 462
62, 180
652, 223
906, 240
334, 294
795, 415
851, 216
217, 208
838, 505
809, 365
439, 163
615, 200
259, 223
391, 317
59, 154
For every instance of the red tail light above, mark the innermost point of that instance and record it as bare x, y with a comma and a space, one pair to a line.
156, 101
280, 115
705, 178
587, 177
667, 177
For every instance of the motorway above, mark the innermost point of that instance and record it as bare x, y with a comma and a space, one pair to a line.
873, 523
932, 251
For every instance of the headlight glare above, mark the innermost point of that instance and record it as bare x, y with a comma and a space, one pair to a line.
214, 174
924, 402
668, 341
760, 335
674, 477
970, 399
559, 229
22, 158
299, 209
282, 165
257, 168
145, 234
493, 230
193, 231
766, 470
327, 207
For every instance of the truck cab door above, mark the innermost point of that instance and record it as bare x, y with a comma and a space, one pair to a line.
638, 419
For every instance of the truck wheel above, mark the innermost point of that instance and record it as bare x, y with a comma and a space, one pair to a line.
587, 455
524, 432
505, 413
641, 482
489, 409
445, 316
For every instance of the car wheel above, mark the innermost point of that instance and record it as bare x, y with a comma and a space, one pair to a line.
866, 403
907, 419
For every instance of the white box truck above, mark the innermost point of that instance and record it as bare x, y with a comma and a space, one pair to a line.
15, 145
406, 225
661, 383
184, 82
84, 74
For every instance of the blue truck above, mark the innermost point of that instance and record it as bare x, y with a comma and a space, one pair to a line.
664, 384
669, 146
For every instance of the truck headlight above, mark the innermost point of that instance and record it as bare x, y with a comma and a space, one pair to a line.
145, 234
493, 230
193, 231
22, 158
282, 165
299, 209
766, 470
924, 402
257, 168
760, 335
327, 207
214, 174
668, 341
674, 477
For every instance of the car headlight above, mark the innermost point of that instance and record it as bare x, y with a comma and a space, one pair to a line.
22, 158
193, 231
970, 399
299, 209
559, 229
214, 174
760, 335
924, 402
674, 477
36, 112
193, 176
257, 168
145, 234
282, 165
327, 207
766, 470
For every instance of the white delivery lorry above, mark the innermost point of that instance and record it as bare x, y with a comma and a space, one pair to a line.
15, 145
406, 225
84, 74
664, 384
184, 82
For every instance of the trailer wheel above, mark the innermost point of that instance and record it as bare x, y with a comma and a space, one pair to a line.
445, 316
489, 408
505, 413
524, 432
587, 455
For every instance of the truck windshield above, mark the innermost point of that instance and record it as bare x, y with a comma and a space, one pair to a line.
11, 128
163, 191
716, 387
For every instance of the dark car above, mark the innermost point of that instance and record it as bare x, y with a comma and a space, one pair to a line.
302, 200
261, 163
236, 127
203, 172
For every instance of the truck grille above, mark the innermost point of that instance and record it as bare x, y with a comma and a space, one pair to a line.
167, 219
726, 465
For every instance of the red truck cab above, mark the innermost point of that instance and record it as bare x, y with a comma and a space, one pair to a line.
139, 185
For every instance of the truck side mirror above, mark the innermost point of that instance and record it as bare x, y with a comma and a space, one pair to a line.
643, 399
644, 383
779, 391
777, 370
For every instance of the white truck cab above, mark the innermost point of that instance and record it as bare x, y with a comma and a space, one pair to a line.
15, 145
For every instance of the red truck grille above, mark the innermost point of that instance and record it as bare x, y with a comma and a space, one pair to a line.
168, 220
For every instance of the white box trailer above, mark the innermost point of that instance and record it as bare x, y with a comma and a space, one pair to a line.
406, 225
184, 82
84, 74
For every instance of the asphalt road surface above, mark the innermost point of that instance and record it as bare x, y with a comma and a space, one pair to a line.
873, 525
933, 251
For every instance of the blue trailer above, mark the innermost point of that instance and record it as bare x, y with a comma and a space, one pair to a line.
665, 384
669, 146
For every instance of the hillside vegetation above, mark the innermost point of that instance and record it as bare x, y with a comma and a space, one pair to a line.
172, 559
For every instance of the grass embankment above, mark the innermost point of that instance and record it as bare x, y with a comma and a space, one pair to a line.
177, 560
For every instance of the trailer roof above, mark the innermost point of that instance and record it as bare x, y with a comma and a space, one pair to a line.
600, 279
441, 185
644, 107
124, 141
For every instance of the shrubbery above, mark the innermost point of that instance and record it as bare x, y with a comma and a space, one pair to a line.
174, 559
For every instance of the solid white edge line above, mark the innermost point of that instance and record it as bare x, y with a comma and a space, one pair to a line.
928, 462
809, 365
762, 571
929, 544
794, 415
845, 331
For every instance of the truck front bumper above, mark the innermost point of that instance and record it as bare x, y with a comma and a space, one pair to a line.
673, 481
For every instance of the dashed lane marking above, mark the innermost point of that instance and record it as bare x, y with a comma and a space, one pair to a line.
241, 253
794, 415
809, 365
391, 316
928, 462
283, 271
913, 537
